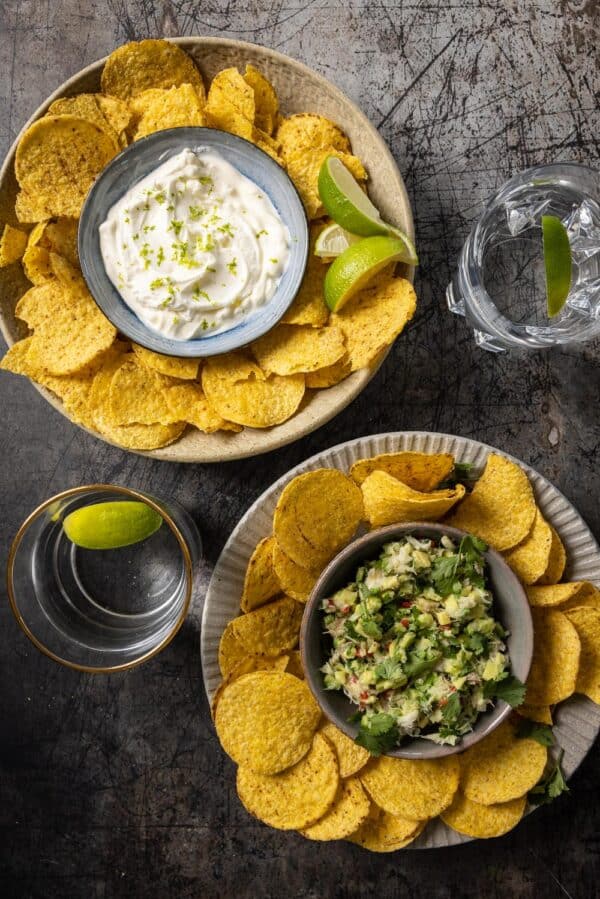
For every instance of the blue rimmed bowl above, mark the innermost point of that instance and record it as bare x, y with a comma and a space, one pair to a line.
139, 160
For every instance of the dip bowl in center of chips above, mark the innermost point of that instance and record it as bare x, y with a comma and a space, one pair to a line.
139, 160
510, 607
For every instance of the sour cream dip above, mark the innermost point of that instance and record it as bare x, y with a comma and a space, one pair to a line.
195, 247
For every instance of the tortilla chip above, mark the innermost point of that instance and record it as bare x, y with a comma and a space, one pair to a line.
289, 349
351, 757
294, 665
15, 358
271, 629
108, 113
260, 582
245, 666
231, 650
587, 624
58, 159
266, 721
388, 501
187, 402
296, 798
60, 236
136, 395
36, 265
556, 650
308, 306
293, 580
240, 392
230, 104
382, 832
483, 821
561, 595
184, 369
349, 810
329, 375
373, 318
540, 713
176, 107
12, 245
530, 559
557, 561
421, 471
308, 131
501, 508
408, 788
501, 767
316, 515
140, 65
266, 103
303, 169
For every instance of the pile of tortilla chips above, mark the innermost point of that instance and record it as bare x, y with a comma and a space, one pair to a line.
133, 397
297, 771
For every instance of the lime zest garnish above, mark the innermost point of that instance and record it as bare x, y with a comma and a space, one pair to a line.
557, 263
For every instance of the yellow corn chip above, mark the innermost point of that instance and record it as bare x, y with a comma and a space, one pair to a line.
271, 629
556, 563
388, 501
308, 307
483, 821
294, 665
561, 595
36, 264
501, 767
247, 665
176, 107
187, 402
136, 395
88, 106
330, 374
555, 661
185, 369
420, 471
266, 721
296, 798
265, 99
307, 131
349, 810
293, 580
140, 65
382, 832
530, 559
372, 319
231, 650
289, 349
410, 788
230, 104
501, 508
12, 245
540, 713
351, 757
303, 169
587, 624
260, 582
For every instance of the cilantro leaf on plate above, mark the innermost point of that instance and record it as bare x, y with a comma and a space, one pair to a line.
377, 733
510, 689
551, 785
532, 730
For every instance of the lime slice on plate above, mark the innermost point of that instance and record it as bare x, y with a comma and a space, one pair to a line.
111, 525
333, 240
557, 262
356, 266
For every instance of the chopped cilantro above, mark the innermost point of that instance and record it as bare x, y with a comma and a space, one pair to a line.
551, 785
510, 689
377, 733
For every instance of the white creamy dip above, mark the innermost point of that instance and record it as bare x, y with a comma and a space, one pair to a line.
195, 247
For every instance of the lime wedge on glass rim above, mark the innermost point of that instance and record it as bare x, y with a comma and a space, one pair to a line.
557, 263
111, 525
356, 266
351, 210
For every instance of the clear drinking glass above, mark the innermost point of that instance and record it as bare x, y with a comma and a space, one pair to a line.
102, 610
499, 285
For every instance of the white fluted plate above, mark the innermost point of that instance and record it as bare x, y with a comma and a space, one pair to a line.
577, 721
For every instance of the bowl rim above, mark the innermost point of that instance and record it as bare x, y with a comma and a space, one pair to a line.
410, 750
257, 442
100, 289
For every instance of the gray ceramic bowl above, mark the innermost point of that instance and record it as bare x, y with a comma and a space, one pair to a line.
137, 161
511, 608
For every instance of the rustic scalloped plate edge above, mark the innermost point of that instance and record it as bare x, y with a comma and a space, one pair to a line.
231, 447
577, 721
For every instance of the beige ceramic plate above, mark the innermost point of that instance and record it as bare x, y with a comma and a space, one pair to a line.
577, 721
300, 90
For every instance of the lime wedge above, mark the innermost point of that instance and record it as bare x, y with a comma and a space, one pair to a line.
354, 268
333, 240
345, 202
557, 262
111, 525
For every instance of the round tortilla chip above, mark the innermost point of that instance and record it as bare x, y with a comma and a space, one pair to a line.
571, 595
387, 501
587, 624
501, 767
141, 65
316, 515
501, 508
293, 580
540, 713
349, 810
58, 159
136, 395
330, 375
483, 821
186, 402
408, 788
556, 651
351, 757
271, 629
246, 666
289, 349
557, 561
294, 665
176, 107
308, 131
530, 559
12, 245
260, 581
184, 369
266, 103
420, 471
240, 392
382, 832
296, 798
231, 650
308, 306
373, 319
266, 720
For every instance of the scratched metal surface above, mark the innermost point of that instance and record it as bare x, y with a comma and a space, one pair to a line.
116, 787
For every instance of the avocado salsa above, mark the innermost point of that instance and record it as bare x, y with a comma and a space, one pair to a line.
415, 645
